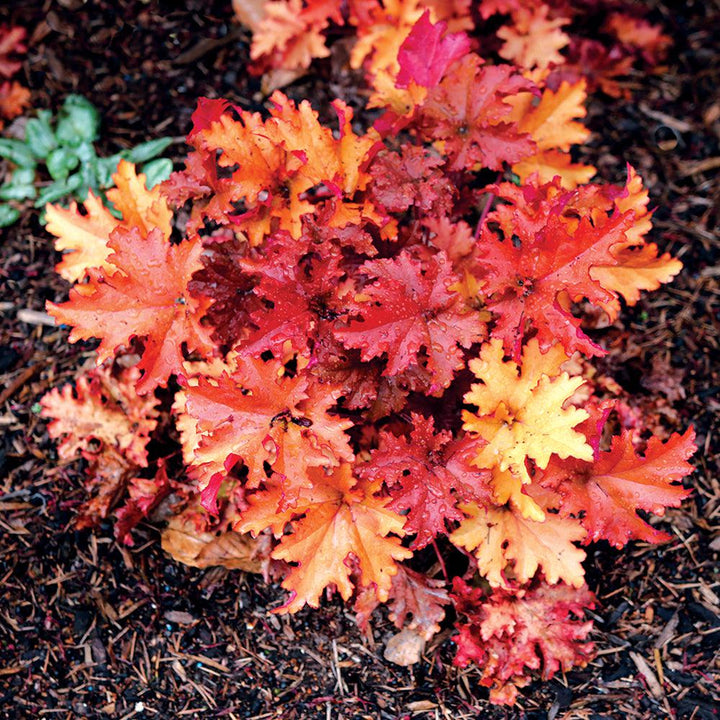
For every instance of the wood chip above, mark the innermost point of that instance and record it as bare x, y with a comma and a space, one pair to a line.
12, 669
700, 166
667, 632
669, 120
35, 317
209, 662
646, 671
205, 46
421, 706
18, 382
708, 595
179, 617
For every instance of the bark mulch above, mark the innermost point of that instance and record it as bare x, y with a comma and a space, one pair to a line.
91, 629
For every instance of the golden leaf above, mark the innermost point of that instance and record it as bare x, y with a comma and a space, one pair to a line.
521, 411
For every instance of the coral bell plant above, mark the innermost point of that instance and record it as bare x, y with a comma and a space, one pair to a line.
367, 349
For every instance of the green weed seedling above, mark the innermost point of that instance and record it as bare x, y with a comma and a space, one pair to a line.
68, 153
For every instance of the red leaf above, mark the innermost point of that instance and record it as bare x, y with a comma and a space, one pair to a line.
229, 286
608, 492
11, 42
208, 111
411, 309
423, 474
540, 265
145, 496
511, 633
467, 111
415, 594
428, 52
411, 179
299, 292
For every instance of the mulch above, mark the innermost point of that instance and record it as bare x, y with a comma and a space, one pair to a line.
92, 629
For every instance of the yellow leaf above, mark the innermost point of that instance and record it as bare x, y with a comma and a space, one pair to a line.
507, 487
521, 411
499, 536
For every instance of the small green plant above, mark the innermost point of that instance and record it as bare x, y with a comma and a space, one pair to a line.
68, 152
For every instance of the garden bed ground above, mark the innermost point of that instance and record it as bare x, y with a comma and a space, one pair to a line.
91, 629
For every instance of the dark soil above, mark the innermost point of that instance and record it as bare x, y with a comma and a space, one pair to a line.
91, 629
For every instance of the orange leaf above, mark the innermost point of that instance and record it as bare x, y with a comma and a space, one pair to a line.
634, 197
499, 536
285, 32
85, 237
141, 208
638, 268
275, 162
146, 297
639, 33
381, 36
343, 522
637, 264
250, 412
249, 12
14, 98
103, 408
508, 487
551, 124
551, 163
533, 40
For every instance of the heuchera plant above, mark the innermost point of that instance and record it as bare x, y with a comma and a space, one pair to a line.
14, 98
547, 38
369, 351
